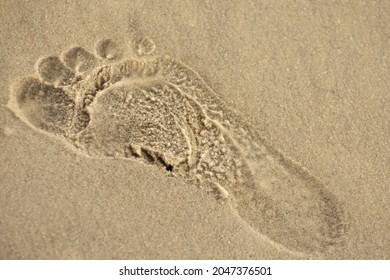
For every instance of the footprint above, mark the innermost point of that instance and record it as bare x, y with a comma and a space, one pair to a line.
129, 102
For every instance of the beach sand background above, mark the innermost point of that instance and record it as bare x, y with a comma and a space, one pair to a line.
312, 76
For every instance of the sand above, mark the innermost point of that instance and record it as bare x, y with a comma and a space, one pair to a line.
277, 144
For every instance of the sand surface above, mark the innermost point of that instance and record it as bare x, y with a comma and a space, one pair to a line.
312, 78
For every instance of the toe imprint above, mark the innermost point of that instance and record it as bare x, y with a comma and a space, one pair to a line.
53, 71
79, 59
157, 110
108, 49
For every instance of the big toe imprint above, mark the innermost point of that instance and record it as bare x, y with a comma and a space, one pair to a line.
42, 106
159, 111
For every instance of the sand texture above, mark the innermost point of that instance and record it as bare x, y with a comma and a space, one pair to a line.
195, 130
